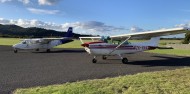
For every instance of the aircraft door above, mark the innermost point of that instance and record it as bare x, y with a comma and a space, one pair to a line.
24, 45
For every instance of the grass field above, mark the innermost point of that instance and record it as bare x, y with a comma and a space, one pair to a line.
172, 82
77, 44
163, 82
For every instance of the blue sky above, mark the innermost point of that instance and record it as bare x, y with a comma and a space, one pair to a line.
104, 17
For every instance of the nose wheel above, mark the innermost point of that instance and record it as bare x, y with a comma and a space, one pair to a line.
15, 51
94, 60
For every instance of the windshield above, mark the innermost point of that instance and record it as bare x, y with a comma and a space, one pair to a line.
107, 39
23, 42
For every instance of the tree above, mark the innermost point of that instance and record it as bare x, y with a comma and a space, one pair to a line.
187, 38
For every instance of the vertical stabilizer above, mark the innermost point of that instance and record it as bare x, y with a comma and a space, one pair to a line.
154, 41
69, 32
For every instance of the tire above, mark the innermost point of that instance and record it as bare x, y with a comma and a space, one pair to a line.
37, 49
15, 51
48, 50
94, 60
124, 60
104, 57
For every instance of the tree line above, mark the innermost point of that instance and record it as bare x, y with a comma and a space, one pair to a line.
31, 32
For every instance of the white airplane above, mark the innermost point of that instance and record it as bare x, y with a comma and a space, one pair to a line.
43, 43
107, 46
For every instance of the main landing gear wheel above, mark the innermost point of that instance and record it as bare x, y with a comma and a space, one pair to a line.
48, 50
94, 60
15, 51
104, 57
124, 60
37, 49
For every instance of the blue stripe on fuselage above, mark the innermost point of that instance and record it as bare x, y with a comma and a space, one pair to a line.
63, 41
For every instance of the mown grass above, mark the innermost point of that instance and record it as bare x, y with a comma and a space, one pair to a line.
162, 82
179, 52
77, 44
9, 41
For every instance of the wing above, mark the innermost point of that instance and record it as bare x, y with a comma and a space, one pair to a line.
43, 40
47, 40
156, 33
92, 38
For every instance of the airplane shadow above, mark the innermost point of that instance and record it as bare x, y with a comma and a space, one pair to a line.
159, 61
63, 51
167, 61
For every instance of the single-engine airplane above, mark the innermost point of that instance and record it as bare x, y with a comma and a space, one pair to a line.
105, 46
43, 43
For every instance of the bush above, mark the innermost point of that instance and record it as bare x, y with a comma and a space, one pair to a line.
186, 39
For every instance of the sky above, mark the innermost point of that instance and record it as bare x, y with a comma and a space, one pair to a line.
97, 17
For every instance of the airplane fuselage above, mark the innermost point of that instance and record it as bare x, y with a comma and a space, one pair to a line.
32, 44
101, 48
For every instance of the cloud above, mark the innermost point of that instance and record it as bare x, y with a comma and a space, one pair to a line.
40, 2
93, 26
90, 27
24, 1
183, 25
42, 11
136, 29
2, 1
47, 2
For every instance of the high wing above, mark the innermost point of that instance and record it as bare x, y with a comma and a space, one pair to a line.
47, 40
92, 38
44, 40
156, 33
146, 34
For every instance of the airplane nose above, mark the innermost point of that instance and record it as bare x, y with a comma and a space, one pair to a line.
15, 46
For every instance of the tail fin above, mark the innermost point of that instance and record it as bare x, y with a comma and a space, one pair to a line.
154, 41
69, 32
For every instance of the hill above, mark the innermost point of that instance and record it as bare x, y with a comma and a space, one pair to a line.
31, 32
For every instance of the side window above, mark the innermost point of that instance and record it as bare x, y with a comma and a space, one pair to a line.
24, 42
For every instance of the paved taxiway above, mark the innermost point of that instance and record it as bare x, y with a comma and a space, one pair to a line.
28, 69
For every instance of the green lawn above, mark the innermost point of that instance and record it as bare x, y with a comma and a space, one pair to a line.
12, 41
172, 82
179, 52
9, 41
162, 82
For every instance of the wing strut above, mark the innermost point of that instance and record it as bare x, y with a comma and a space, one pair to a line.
120, 45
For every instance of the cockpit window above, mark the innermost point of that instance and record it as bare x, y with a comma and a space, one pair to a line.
105, 39
24, 42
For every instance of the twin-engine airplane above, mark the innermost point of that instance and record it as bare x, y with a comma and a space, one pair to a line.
119, 45
43, 43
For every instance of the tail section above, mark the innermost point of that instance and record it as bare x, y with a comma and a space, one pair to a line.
154, 41
69, 32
